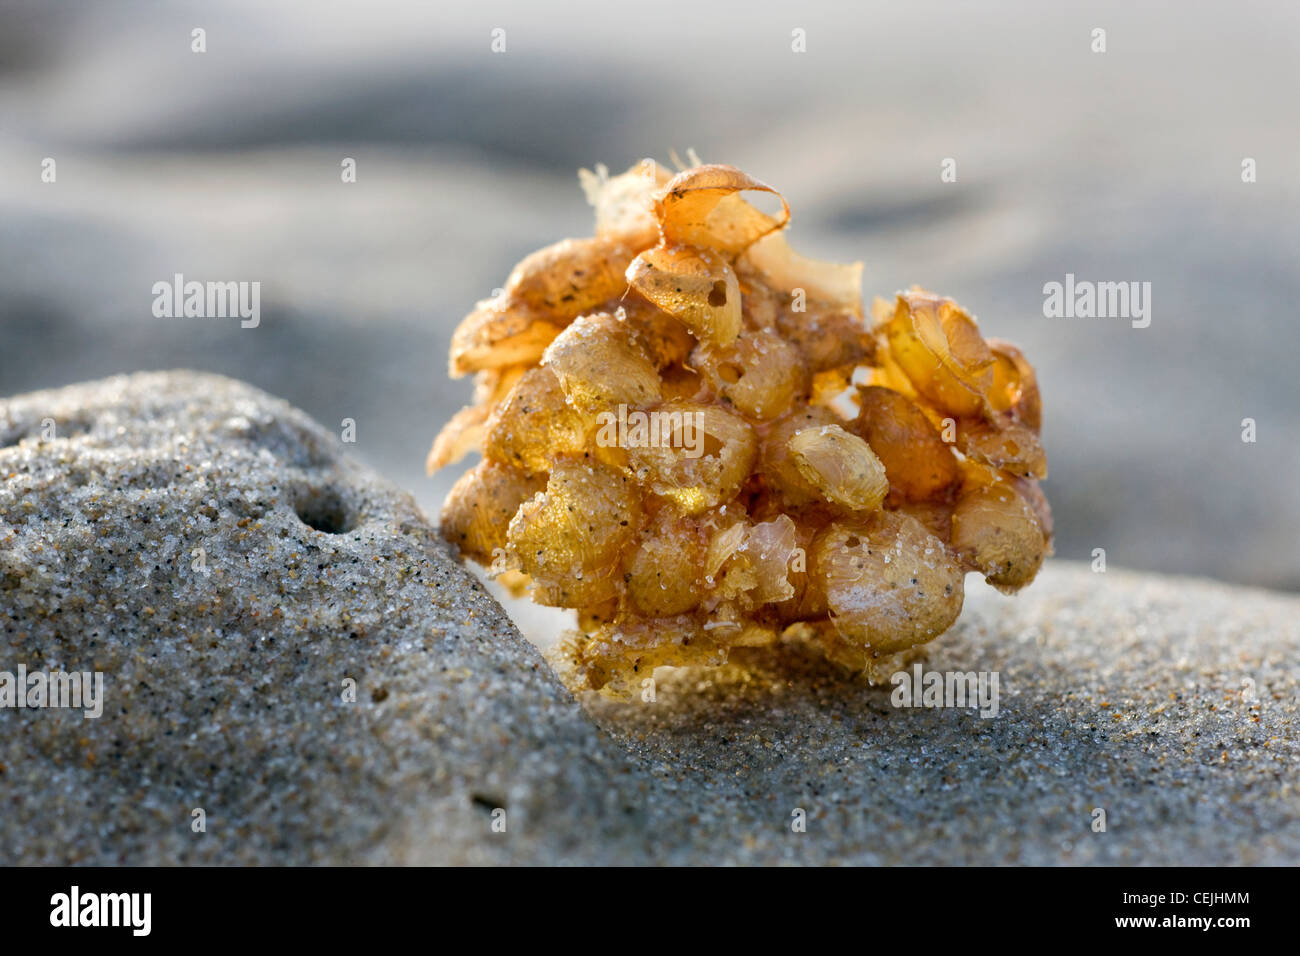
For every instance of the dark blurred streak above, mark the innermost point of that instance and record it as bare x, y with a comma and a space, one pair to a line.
29, 34
878, 214
503, 113
29, 327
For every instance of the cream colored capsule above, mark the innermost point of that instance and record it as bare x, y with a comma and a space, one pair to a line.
481, 504
697, 286
841, 466
889, 583
599, 365
567, 539
534, 425
702, 456
996, 531
760, 373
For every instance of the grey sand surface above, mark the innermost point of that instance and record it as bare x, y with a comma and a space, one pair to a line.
1169, 703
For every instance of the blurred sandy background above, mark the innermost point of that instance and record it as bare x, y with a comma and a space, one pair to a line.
1117, 166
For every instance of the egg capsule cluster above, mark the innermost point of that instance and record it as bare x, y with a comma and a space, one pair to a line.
692, 436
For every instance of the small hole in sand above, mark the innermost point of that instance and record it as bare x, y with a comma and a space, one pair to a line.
323, 510
486, 801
